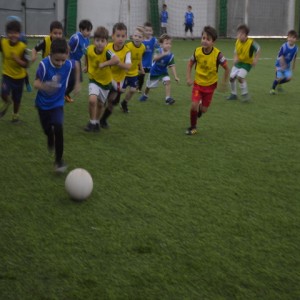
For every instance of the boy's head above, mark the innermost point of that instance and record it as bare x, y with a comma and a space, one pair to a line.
85, 27
138, 35
189, 7
242, 32
148, 30
56, 30
13, 31
209, 36
165, 41
119, 34
101, 36
164, 6
292, 37
59, 52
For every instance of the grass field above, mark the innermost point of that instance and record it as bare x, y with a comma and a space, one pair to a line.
210, 216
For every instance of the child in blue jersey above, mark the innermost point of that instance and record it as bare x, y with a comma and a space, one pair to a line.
151, 43
164, 16
162, 60
51, 81
78, 44
15, 59
189, 22
285, 62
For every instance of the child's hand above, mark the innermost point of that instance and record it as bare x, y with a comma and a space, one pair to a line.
84, 69
77, 88
177, 79
189, 82
223, 88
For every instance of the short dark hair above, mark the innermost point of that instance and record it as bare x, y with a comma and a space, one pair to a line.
101, 33
244, 28
292, 33
210, 31
164, 6
85, 24
147, 24
14, 26
190, 6
163, 37
59, 46
119, 26
56, 25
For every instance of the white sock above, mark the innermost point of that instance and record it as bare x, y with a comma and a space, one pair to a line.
233, 87
244, 88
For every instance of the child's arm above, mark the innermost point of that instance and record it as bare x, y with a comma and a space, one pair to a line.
294, 62
111, 62
127, 64
22, 61
189, 80
77, 86
257, 54
173, 68
225, 78
158, 56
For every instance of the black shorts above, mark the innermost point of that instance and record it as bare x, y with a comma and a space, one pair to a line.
188, 27
13, 86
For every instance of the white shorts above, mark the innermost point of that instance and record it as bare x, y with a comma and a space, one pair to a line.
96, 90
154, 83
118, 86
238, 72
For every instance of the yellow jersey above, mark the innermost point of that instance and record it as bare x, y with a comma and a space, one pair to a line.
102, 76
244, 51
136, 58
118, 74
10, 67
206, 69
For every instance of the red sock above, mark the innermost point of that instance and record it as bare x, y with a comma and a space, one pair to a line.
193, 118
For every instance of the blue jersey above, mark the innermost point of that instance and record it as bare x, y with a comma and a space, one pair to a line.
288, 53
160, 67
164, 16
57, 78
189, 18
78, 44
148, 54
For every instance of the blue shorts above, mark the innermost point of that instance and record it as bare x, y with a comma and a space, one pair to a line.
130, 81
13, 86
287, 73
51, 117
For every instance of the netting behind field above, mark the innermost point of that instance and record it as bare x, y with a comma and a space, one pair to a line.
265, 18
204, 14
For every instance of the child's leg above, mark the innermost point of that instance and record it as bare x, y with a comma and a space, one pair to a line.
243, 86
59, 142
16, 95
233, 86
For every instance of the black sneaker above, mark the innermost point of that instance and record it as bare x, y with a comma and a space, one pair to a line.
104, 124
191, 131
60, 167
124, 107
170, 101
89, 127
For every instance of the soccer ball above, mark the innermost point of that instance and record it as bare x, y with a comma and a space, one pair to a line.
79, 184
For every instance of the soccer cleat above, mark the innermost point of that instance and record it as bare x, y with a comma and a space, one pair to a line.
191, 131
272, 92
60, 167
91, 127
144, 98
4, 108
68, 99
170, 101
124, 106
15, 118
28, 88
245, 98
232, 97
280, 89
104, 124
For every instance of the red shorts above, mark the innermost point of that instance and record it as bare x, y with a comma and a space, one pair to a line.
203, 93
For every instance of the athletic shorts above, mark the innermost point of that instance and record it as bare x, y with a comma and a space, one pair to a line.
98, 91
131, 82
203, 94
238, 72
117, 86
153, 82
51, 117
287, 73
13, 86
188, 27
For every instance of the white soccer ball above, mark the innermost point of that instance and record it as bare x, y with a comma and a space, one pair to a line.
79, 184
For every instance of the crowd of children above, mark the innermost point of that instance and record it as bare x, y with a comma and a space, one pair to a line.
116, 67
